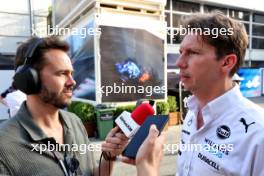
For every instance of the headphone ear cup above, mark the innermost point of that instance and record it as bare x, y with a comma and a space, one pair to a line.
27, 80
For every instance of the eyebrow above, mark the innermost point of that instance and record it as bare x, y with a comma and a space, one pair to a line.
66, 70
191, 49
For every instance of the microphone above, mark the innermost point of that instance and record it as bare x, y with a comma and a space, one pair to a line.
129, 123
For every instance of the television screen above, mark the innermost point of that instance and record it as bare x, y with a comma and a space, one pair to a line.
132, 65
251, 82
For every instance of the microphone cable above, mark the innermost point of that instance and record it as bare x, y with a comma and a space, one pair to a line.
107, 157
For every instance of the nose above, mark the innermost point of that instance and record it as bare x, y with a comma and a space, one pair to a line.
71, 81
180, 62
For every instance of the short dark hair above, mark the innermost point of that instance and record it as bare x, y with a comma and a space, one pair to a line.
224, 44
46, 44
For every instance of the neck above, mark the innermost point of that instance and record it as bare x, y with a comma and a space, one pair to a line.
45, 115
215, 90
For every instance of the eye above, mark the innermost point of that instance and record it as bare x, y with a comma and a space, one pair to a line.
62, 73
192, 52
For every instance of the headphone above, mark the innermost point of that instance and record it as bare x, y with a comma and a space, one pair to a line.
26, 78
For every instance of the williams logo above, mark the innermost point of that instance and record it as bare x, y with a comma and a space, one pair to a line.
223, 132
243, 121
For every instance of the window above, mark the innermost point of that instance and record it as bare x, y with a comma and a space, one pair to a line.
40, 25
168, 36
171, 60
247, 27
7, 62
258, 18
239, 15
208, 8
176, 38
167, 18
167, 7
176, 19
14, 24
258, 30
185, 6
257, 43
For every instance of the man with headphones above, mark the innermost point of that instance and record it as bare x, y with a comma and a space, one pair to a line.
44, 73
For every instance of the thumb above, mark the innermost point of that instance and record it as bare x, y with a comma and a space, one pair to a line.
153, 133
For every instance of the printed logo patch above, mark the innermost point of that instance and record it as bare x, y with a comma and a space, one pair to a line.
223, 132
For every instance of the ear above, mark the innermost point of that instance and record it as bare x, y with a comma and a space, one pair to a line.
228, 63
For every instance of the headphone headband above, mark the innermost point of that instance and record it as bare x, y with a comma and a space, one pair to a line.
30, 51
26, 77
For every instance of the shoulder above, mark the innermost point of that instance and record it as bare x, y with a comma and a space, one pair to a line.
252, 112
72, 120
10, 132
9, 126
248, 120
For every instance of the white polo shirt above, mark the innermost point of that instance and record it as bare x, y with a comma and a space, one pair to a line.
14, 101
231, 142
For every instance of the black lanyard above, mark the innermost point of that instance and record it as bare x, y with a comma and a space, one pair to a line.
61, 162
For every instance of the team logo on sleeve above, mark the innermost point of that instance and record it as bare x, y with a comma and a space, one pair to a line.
223, 132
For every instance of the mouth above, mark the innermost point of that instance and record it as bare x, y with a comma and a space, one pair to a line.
68, 94
68, 91
184, 77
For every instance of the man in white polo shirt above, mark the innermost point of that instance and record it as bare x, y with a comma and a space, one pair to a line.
14, 101
224, 129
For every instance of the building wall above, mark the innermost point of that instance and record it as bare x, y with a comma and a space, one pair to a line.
253, 20
16, 26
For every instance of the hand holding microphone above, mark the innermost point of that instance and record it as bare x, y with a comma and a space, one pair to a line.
127, 126
150, 153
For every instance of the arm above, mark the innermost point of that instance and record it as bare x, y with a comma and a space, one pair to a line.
2, 100
114, 145
255, 167
3, 95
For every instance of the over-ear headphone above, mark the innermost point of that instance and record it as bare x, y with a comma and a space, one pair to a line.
26, 77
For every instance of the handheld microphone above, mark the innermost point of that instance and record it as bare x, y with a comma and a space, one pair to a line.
129, 123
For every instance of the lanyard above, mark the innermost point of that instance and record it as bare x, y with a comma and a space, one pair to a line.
60, 161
